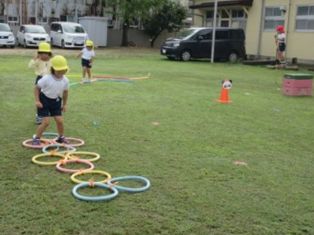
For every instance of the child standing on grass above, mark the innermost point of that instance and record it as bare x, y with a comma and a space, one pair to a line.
51, 96
41, 65
87, 55
281, 44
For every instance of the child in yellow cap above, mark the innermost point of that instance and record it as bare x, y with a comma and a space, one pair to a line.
41, 65
87, 55
51, 96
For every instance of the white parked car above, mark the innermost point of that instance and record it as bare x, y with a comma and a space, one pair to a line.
67, 35
6, 36
31, 35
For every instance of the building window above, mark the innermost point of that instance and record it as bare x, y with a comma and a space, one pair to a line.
238, 19
274, 16
305, 18
13, 19
209, 18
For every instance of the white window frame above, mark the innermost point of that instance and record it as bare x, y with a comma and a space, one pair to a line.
210, 20
303, 17
272, 18
13, 21
241, 21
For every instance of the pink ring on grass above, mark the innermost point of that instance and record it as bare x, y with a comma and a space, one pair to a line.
66, 170
43, 142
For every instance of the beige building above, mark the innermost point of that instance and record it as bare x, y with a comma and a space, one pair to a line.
259, 19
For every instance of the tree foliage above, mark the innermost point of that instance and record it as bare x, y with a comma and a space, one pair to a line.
169, 16
129, 10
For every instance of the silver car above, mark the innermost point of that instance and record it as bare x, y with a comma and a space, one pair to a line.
31, 35
6, 36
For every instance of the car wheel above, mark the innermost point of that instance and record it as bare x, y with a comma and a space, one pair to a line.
62, 44
185, 55
233, 57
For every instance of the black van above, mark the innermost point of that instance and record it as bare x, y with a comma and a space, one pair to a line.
196, 43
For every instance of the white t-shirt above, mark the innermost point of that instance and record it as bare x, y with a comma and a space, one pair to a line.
281, 38
87, 54
53, 87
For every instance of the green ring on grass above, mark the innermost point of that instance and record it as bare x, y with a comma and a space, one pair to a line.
129, 189
50, 135
69, 148
75, 193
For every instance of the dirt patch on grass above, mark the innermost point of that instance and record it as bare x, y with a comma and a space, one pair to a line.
74, 52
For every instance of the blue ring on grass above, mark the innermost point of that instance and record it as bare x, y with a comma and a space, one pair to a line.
128, 189
75, 193
68, 147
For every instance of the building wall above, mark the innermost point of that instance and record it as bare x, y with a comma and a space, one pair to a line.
260, 42
268, 46
253, 32
299, 44
137, 37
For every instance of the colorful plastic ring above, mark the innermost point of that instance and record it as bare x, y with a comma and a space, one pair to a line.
107, 197
52, 154
43, 142
73, 177
68, 148
76, 155
50, 135
75, 142
113, 182
66, 170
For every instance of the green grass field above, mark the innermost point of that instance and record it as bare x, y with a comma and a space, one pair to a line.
169, 129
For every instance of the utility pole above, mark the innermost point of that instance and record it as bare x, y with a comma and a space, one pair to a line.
76, 19
214, 32
36, 12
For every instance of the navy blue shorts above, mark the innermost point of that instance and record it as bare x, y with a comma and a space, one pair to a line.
37, 79
282, 47
51, 107
86, 63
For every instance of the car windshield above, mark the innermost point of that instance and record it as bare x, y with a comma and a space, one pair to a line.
34, 29
73, 29
184, 33
5, 28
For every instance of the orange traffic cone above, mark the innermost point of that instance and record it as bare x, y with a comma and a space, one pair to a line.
224, 96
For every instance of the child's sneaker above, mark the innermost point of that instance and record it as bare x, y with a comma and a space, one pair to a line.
36, 140
62, 140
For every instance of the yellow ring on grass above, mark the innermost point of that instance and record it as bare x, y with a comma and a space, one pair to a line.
73, 155
50, 154
73, 177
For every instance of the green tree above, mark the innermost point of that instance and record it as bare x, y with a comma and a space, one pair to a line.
130, 10
169, 16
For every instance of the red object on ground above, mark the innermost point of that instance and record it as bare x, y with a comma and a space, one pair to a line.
297, 85
224, 96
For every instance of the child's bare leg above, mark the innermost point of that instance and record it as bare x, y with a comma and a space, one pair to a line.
59, 123
84, 72
42, 127
88, 73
